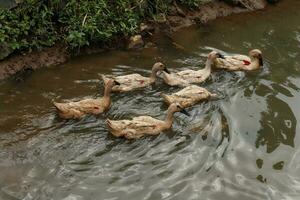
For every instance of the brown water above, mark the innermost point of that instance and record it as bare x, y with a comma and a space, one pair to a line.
243, 146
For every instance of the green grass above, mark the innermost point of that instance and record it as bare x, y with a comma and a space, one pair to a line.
35, 24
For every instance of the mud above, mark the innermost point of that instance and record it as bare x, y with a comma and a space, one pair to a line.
47, 57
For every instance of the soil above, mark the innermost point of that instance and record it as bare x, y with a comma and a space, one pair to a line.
179, 18
47, 57
211, 11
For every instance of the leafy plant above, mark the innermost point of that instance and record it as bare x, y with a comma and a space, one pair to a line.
35, 24
99, 20
27, 26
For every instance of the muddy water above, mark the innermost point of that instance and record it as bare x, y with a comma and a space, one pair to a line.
242, 146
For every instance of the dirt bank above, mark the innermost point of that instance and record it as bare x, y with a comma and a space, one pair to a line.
211, 11
178, 18
47, 57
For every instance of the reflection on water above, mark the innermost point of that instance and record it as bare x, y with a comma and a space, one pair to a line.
244, 145
278, 125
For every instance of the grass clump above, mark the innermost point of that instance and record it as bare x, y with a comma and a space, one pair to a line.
95, 21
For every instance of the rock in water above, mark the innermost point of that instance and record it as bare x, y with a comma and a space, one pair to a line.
135, 42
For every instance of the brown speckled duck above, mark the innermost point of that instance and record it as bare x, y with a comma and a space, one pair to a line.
143, 125
186, 77
188, 96
241, 62
76, 110
135, 81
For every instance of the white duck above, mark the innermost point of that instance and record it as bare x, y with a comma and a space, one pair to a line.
187, 77
143, 125
135, 81
241, 62
75, 110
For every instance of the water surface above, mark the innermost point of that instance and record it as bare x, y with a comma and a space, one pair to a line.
242, 146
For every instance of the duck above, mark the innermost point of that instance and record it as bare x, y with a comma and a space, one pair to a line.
94, 106
241, 62
188, 96
186, 77
135, 81
144, 125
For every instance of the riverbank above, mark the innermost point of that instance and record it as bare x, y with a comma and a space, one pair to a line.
177, 18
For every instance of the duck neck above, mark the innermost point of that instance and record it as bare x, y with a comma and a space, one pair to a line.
208, 65
255, 63
106, 97
169, 118
153, 75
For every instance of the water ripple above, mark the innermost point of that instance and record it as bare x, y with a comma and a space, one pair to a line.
244, 145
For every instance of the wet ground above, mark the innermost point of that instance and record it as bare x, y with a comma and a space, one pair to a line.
242, 146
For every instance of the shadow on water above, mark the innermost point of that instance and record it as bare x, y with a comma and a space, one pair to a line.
278, 125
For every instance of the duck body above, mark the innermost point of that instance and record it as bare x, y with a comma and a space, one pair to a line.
188, 96
241, 62
78, 109
143, 125
135, 81
186, 77
137, 127
130, 82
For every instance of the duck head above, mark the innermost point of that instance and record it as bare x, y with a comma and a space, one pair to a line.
176, 107
111, 83
214, 55
159, 67
108, 85
256, 53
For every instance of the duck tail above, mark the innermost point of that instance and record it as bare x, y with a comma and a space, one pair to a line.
167, 98
165, 76
112, 129
55, 104
109, 124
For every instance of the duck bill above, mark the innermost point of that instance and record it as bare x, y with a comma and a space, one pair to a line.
166, 70
221, 56
183, 111
261, 61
